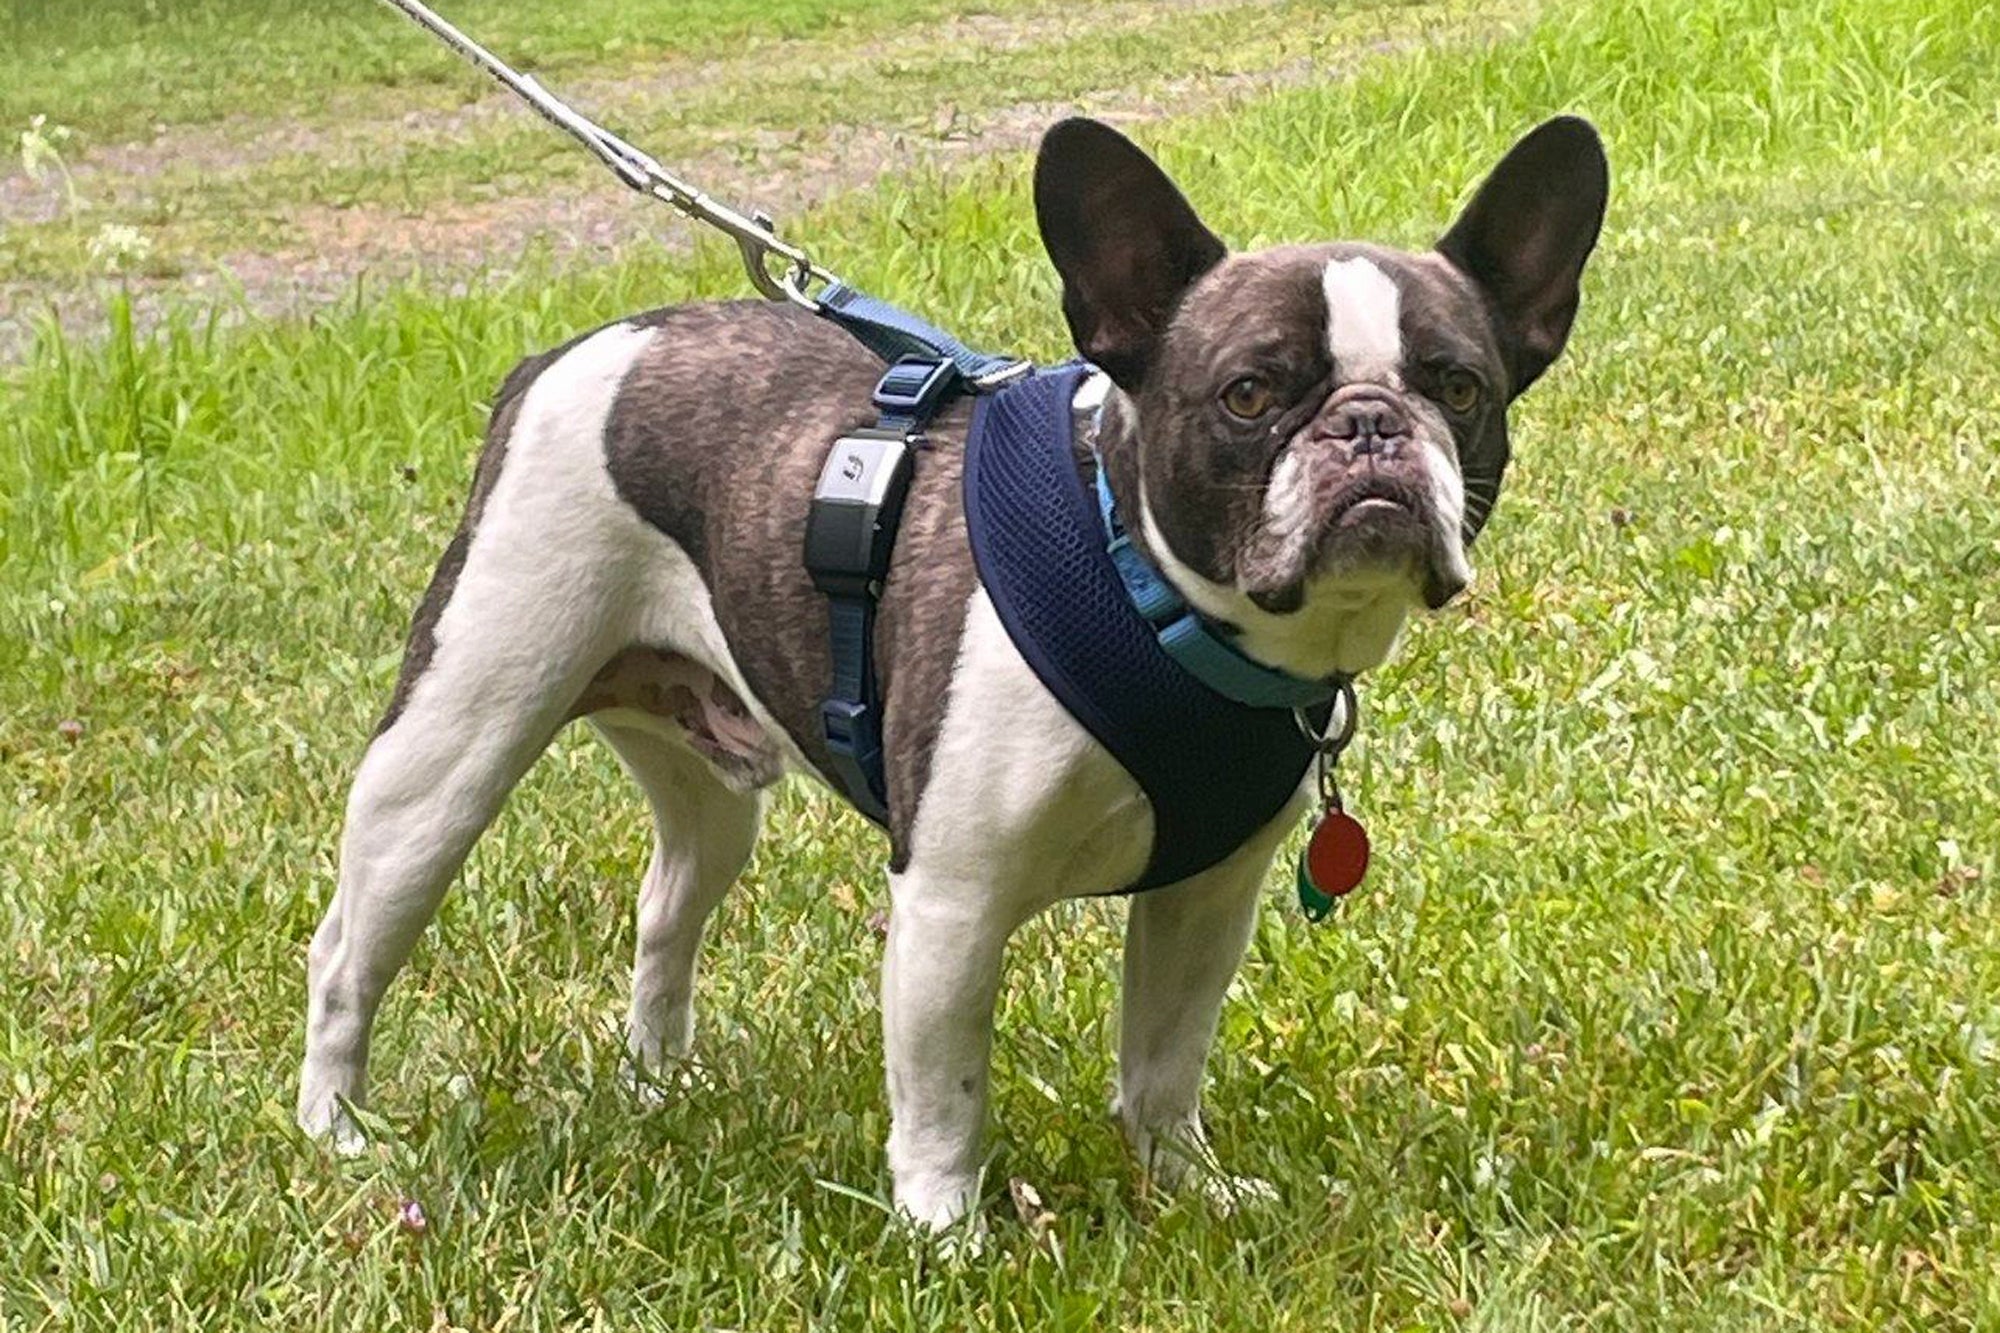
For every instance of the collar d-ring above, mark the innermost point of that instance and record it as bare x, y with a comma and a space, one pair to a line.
1330, 745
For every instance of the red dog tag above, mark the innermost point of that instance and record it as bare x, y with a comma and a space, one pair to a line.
1334, 863
1337, 855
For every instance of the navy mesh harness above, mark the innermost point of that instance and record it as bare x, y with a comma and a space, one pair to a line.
1215, 771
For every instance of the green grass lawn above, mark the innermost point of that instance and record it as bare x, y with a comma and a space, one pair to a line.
1675, 999
383, 164
115, 68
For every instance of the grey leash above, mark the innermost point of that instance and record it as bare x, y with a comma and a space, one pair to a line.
780, 270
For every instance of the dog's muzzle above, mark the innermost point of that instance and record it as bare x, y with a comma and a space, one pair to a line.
1354, 493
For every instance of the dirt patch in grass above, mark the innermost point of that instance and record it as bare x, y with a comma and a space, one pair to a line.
326, 246
352, 126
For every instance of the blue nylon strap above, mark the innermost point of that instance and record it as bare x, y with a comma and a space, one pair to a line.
851, 713
921, 381
928, 368
1187, 639
892, 333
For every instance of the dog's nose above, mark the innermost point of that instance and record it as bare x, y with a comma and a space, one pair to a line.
1369, 425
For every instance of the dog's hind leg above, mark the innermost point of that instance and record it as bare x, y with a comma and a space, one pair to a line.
530, 601
704, 830
427, 788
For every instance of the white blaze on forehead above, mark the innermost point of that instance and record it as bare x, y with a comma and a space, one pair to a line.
1364, 322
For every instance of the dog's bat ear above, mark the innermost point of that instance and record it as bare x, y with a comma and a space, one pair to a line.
1526, 234
1124, 240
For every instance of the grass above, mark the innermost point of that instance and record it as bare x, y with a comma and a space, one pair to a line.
1675, 1000
891, 84
113, 68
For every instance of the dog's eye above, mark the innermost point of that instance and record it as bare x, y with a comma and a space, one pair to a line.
1248, 398
1459, 391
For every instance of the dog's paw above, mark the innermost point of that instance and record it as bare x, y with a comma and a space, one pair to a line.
1177, 1160
938, 1206
656, 1083
1205, 1181
968, 1241
963, 1240
329, 1123
1229, 1195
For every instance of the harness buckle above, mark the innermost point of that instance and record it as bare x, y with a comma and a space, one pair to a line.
915, 387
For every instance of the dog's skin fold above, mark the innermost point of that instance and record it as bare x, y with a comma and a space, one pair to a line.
1304, 440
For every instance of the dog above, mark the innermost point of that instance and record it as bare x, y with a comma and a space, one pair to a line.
1306, 441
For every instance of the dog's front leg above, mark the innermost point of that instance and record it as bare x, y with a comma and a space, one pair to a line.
939, 981
1182, 946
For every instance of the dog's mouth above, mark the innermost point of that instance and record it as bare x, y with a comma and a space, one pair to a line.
1368, 502
1385, 523
1372, 521
1368, 508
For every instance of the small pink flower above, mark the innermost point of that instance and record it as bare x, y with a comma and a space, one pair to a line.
410, 1216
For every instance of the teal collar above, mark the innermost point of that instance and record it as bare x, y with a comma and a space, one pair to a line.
1188, 638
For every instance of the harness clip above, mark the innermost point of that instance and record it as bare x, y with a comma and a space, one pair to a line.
915, 387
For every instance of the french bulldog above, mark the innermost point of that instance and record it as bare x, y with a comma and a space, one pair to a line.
1306, 441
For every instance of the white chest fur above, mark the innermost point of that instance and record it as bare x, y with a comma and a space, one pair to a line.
1016, 782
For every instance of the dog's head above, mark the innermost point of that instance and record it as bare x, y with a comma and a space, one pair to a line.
1307, 439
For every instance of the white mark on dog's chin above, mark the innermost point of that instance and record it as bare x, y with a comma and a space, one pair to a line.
1288, 504
1346, 623
1364, 322
1448, 497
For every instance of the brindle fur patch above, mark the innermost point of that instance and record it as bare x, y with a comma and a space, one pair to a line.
716, 440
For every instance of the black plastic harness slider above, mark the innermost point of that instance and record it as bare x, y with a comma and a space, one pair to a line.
915, 387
